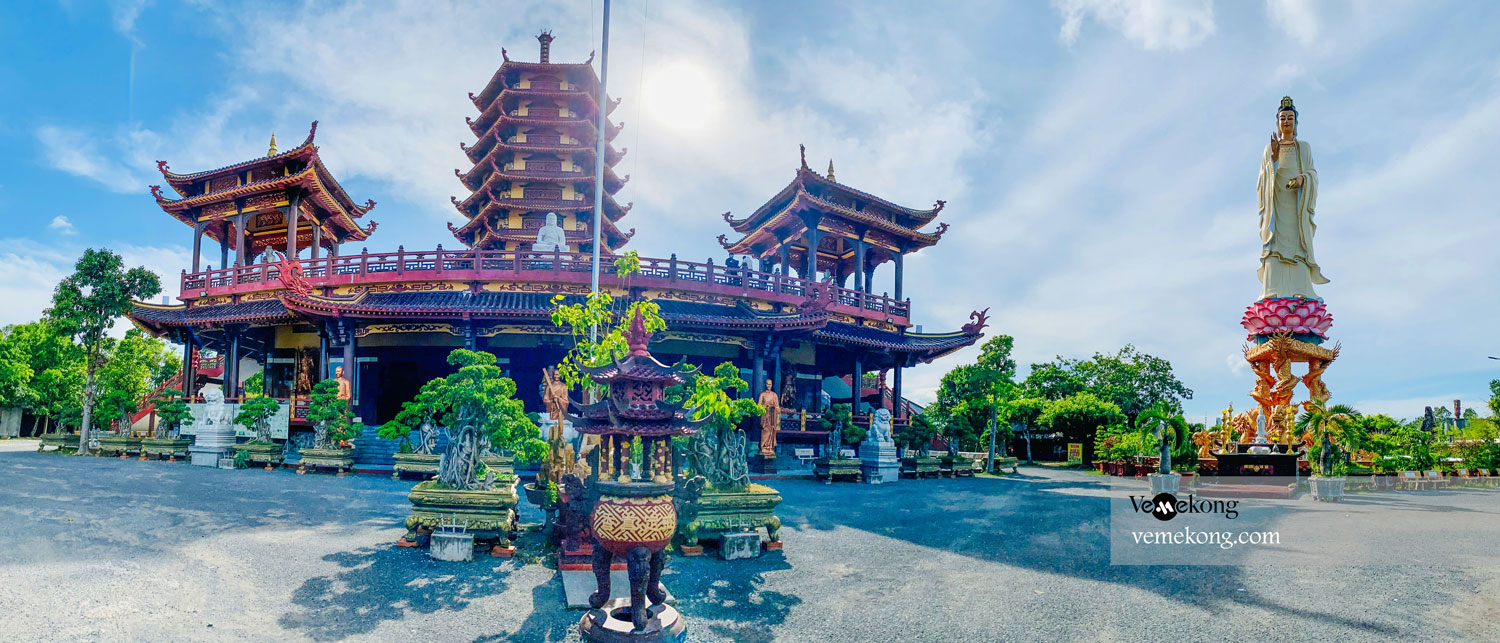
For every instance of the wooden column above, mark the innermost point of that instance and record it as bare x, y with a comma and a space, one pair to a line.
197, 245
859, 265
786, 260
188, 372
316, 241
859, 376
757, 367
814, 236
293, 214
322, 352
897, 408
351, 369
774, 352
224, 246
232, 364
899, 275
239, 239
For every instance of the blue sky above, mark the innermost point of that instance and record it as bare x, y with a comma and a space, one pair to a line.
1098, 157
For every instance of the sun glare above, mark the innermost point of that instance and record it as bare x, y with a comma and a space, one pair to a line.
681, 96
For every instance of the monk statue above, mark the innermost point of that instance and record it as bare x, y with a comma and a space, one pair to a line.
560, 460
550, 237
1287, 192
346, 388
770, 421
555, 399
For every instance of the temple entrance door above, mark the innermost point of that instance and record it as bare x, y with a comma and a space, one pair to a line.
399, 382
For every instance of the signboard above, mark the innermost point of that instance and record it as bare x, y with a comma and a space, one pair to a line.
280, 422
1075, 452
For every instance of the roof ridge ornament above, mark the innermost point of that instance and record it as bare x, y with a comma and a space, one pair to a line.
803, 149
938, 207
981, 320
272, 150
830, 171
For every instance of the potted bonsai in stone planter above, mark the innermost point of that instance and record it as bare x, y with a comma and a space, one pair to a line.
730, 503
916, 442
1171, 430
171, 413
333, 428
1325, 426
839, 423
416, 427
255, 414
477, 405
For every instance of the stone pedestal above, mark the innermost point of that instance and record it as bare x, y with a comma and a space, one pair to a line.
1165, 483
1327, 489
741, 545
878, 463
762, 464
210, 443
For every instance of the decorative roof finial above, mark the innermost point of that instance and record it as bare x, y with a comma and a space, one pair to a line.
272, 151
803, 148
830, 170
546, 39
637, 337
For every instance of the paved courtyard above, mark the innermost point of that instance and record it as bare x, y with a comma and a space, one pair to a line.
104, 549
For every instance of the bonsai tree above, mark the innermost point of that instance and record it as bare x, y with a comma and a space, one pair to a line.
1325, 425
717, 451
420, 415
171, 413
840, 418
478, 406
918, 435
332, 421
255, 414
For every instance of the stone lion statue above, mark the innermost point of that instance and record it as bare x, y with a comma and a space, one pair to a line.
880, 427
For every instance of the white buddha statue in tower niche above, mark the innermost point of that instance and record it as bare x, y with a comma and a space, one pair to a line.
550, 237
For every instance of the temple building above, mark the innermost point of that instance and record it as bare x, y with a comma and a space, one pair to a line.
287, 303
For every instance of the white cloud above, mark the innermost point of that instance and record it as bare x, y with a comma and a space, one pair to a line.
76, 152
1153, 24
33, 270
62, 225
1296, 18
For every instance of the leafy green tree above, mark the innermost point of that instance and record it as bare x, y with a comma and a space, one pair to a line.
597, 313
718, 450
330, 416
255, 414
1023, 415
969, 396
1079, 416
171, 413
1130, 379
1494, 401
127, 377
85, 305
255, 385
56, 364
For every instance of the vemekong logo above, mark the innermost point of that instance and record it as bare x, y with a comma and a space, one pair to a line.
1166, 506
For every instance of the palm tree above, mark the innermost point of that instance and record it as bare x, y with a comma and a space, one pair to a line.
1159, 418
1326, 425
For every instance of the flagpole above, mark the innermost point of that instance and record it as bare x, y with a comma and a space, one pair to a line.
599, 144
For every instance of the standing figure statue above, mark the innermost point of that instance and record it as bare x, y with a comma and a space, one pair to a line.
770, 421
346, 388
559, 452
1287, 191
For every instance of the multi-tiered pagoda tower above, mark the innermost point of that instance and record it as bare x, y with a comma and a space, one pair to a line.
534, 155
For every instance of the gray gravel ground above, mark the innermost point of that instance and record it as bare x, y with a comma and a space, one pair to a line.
105, 549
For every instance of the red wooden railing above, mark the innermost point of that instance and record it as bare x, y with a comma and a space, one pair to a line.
539, 267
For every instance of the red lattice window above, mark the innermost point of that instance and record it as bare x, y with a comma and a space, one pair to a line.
544, 166
222, 183
543, 193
